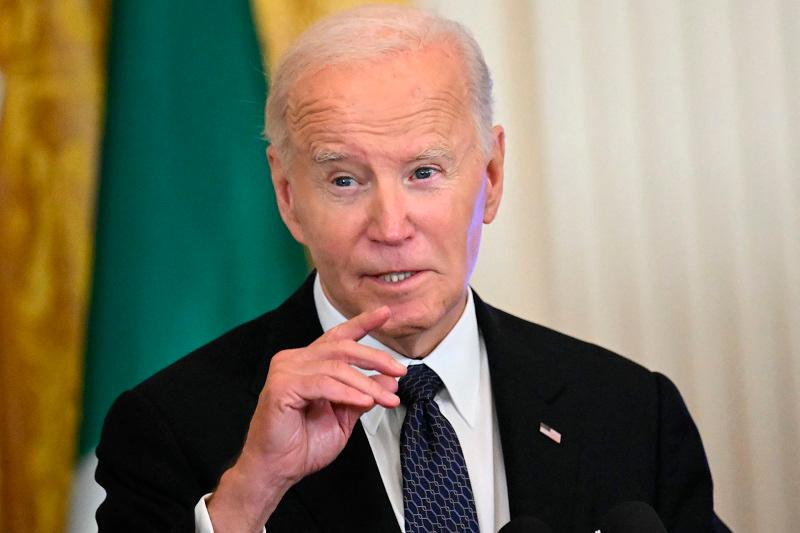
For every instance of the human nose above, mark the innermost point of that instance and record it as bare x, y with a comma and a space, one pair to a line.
389, 215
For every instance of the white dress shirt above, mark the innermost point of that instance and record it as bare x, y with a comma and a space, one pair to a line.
465, 400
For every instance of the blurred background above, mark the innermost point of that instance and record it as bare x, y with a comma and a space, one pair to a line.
652, 205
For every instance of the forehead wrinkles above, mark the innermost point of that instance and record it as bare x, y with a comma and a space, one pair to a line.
334, 119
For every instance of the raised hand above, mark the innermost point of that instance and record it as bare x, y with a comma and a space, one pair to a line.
306, 412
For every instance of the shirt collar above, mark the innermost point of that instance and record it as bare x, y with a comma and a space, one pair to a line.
456, 359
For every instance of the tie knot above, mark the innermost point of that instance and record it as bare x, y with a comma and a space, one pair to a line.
419, 383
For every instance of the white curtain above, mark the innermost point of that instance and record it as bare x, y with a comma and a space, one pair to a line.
652, 205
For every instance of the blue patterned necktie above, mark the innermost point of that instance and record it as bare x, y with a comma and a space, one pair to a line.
437, 495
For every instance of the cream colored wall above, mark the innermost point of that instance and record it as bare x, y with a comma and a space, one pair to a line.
652, 205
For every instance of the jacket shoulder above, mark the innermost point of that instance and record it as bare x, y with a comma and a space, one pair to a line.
227, 361
572, 358
239, 359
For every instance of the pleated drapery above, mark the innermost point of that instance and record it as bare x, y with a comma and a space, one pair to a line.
652, 205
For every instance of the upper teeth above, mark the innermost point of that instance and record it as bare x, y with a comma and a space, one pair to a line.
394, 277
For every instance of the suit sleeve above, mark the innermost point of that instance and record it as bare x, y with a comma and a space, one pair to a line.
149, 483
684, 498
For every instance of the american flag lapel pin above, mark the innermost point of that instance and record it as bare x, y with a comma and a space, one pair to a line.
550, 433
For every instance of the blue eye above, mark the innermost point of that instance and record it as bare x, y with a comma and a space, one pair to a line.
344, 181
424, 173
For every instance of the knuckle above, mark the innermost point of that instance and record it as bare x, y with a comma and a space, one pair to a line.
283, 355
341, 346
339, 366
335, 331
321, 381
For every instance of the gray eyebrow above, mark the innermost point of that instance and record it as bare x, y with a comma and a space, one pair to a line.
433, 153
325, 156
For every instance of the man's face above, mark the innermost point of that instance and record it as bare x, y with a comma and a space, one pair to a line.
388, 187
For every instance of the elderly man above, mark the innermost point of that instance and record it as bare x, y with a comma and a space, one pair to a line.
386, 165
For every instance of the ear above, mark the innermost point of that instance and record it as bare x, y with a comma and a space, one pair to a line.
494, 175
284, 194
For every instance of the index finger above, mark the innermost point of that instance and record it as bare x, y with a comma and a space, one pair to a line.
358, 326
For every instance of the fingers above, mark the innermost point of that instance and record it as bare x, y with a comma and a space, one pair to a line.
325, 370
318, 372
348, 413
360, 325
388, 383
353, 353
323, 387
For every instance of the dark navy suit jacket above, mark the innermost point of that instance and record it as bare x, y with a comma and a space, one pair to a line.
626, 435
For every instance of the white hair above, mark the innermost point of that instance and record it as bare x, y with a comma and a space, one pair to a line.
370, 33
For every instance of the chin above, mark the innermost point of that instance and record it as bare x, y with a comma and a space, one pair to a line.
407, 322
398, 331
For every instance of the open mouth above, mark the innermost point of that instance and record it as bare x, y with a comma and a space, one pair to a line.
395, 277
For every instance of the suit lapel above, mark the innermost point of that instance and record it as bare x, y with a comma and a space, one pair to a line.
348, 494
526, 384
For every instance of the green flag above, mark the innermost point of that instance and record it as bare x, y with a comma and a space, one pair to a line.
189, 242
